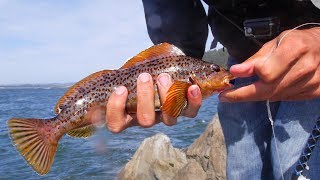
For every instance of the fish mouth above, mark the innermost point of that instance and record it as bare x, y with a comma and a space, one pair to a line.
228, 78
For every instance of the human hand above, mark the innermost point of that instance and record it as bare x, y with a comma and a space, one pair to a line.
290, 71
118, 119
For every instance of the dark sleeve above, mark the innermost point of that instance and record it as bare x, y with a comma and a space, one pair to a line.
182, 23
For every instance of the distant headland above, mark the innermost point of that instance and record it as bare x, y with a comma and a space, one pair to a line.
36, 86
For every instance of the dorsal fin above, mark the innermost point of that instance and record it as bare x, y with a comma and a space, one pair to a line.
154, 52
63, 100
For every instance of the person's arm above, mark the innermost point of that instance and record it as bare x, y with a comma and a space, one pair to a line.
181, 23
117, 119
290, 72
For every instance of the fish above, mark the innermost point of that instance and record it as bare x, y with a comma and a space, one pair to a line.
81, 110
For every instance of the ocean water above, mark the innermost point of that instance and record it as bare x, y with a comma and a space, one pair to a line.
99, 157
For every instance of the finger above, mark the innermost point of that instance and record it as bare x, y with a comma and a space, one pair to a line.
246, 69
145, 100
257, 91
164, 82
134, 122
117, 118
311, 93
286, 88
194, 102
298, 78
280, 61
308, 83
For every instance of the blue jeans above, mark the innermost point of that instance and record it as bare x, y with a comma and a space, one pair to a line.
251, 152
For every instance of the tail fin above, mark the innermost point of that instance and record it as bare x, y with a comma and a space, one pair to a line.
34, 142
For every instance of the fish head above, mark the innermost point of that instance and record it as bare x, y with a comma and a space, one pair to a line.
211, 79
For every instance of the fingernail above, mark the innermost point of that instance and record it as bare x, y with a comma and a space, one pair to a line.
194, 91
163, 79
144, 77
120, 90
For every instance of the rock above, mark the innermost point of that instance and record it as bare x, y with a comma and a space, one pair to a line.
156, 158
210, 150
192, 170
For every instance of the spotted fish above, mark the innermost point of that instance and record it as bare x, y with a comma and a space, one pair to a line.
84, 105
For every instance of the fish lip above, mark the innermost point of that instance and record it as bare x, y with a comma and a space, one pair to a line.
228, 78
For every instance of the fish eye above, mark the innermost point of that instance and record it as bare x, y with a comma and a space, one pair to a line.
215, 68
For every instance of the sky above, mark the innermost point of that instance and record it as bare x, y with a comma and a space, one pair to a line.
59, 41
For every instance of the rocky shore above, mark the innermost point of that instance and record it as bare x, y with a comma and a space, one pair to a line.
156, 158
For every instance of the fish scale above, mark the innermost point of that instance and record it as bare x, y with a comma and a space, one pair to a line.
83, 107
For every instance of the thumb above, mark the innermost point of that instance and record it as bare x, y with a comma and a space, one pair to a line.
246, 69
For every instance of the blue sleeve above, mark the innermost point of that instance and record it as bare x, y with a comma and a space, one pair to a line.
182, 23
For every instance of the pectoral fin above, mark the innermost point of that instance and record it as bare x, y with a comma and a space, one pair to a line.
176, 99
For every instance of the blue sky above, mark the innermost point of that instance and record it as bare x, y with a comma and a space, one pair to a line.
57, 41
